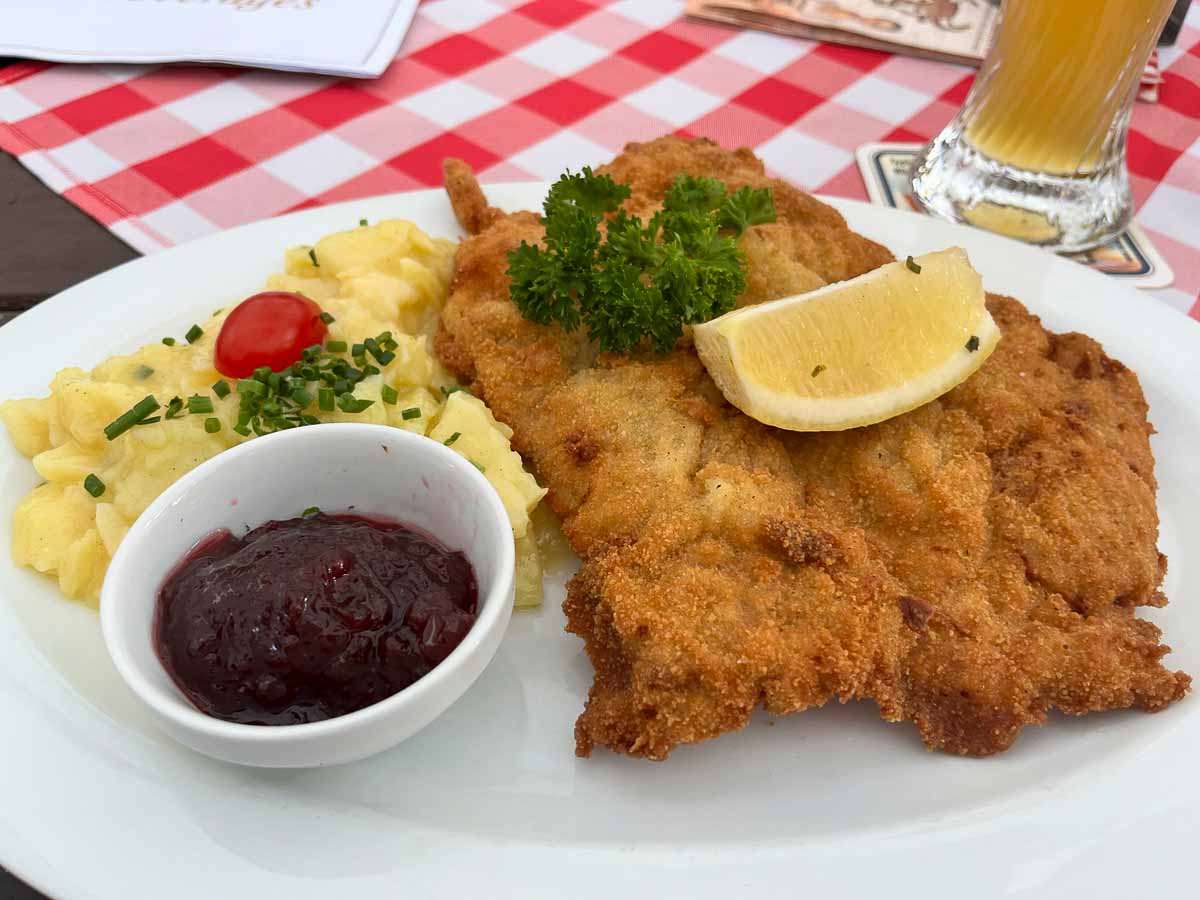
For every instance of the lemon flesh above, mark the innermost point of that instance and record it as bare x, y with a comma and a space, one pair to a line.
855, 352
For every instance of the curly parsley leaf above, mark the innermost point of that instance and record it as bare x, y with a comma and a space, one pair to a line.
638, 281
593, 194
746, 207
536, 275
692, 193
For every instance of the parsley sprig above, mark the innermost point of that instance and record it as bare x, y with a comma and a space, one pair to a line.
638, 280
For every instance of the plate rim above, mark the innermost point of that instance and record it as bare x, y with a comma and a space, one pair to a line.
40, 316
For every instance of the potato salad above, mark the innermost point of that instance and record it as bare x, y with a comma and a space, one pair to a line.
342, 334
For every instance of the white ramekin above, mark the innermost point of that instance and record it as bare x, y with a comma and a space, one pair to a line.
369, 469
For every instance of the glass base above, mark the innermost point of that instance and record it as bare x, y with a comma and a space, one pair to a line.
953, 180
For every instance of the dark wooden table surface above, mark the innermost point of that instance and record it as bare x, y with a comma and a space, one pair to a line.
46, 244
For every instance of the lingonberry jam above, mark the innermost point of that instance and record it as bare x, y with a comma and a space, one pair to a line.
310, 618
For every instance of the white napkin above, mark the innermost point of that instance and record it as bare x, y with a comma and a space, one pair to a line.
358, 38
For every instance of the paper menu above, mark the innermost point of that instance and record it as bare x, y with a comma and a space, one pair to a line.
356, 38
950, 30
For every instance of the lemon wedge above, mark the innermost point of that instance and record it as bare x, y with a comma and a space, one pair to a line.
855, 352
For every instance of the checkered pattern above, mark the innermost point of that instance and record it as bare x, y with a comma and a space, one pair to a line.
522, 90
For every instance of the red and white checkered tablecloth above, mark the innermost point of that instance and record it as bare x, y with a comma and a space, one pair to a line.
522, 90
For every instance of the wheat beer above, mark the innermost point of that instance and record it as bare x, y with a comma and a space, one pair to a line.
1058, 76
1038, 150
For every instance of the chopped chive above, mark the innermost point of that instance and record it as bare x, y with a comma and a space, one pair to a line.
199, 405
912, 265
348, 403
217, 312
150, 420
312, 510
973, 343
93, 485
141, 373
127, 420
362, 223
453, 389
449, 442
482, 470
312, 254
270, 401
327, 318
818, 369
169, 341
194, 334
212, 424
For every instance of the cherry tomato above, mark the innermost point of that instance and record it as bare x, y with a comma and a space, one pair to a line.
269, 329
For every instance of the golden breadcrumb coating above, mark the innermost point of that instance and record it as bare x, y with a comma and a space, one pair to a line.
968, 566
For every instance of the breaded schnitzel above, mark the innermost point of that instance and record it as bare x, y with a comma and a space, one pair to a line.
968, 566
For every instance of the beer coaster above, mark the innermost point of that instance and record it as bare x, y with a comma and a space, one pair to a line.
1130, 256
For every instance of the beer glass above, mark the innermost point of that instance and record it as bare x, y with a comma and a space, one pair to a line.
1038, 150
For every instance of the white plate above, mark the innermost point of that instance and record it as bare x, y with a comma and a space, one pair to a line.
490, 801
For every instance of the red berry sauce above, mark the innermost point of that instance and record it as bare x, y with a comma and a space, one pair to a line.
310, 618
